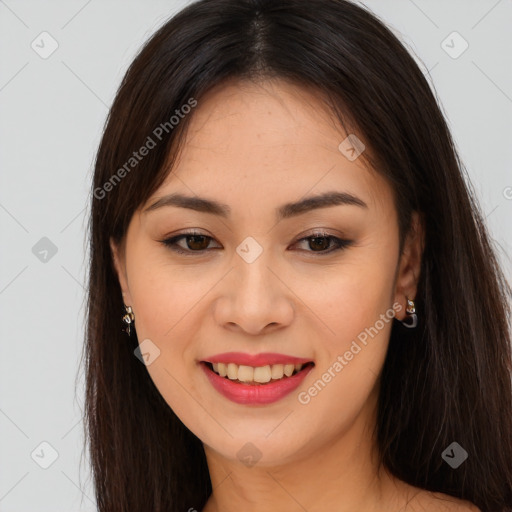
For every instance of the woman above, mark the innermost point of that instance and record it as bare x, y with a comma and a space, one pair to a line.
315, 317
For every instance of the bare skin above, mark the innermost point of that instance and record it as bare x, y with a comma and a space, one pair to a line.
255, 148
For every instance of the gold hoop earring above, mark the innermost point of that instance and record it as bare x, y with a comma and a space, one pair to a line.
128, 318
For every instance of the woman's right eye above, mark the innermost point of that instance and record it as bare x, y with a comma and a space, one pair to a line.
195, 243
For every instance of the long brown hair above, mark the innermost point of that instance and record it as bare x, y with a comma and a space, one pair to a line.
447, 380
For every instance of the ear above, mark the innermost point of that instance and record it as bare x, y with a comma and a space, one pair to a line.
410, 263
118, 258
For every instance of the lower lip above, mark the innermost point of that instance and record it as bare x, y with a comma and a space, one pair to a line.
258, 393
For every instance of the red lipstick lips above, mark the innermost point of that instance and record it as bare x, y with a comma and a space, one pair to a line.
255, 393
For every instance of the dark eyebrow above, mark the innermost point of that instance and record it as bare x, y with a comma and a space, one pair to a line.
286, 211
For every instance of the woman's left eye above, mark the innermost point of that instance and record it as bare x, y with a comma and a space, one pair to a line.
323, 241
198, 243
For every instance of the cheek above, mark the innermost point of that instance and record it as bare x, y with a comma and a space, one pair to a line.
351, 295
166, 303
165, 295
357, 316
359, 324
353, 306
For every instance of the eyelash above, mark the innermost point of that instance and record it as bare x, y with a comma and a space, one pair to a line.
171, 243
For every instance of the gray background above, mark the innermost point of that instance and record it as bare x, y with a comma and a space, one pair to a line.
52, 112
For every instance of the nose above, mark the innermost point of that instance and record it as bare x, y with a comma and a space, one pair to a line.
254, 299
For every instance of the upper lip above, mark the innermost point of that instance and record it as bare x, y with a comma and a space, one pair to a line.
263, 359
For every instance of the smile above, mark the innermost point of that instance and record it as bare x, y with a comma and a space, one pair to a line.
255, 385
255, 375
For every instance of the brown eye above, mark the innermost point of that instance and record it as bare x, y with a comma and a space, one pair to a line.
193, 243
197, 242
321, 243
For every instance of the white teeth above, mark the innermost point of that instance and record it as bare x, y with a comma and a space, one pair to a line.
232, 371
276, 371
245, 373
260, 374
288, 369
223, 371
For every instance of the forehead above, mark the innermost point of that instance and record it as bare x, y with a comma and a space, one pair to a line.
268, 142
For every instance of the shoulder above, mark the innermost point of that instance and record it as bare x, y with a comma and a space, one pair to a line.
424, 501
415, 499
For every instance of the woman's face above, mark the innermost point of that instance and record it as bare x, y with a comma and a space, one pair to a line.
254, 283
